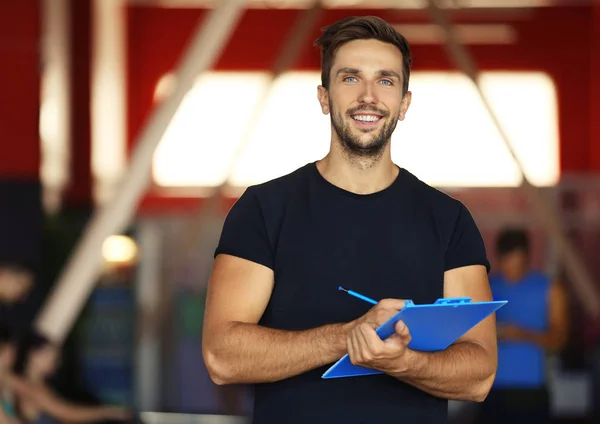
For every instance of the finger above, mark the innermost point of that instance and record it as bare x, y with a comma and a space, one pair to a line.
374, 345
361, 338
351, 348
396, 304
385, 310
358, 347
395, 345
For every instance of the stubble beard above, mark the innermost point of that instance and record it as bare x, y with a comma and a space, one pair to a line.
356, 151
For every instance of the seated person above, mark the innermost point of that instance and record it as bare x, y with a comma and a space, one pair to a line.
36, 402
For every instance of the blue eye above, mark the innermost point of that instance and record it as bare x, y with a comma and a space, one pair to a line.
387, 82
350, 78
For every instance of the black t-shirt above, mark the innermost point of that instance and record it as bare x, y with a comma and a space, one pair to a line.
395, 243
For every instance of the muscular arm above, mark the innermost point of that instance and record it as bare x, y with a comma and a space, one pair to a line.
465, 370
237, 350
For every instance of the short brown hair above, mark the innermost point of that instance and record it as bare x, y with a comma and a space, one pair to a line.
360, 28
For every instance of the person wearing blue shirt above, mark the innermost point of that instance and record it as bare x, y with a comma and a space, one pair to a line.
532, 324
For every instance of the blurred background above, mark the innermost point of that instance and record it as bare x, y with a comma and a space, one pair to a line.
129, 127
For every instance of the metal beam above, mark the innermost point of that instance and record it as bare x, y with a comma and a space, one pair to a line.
580, 278
108, 102
197, 229
83, 268
287, 56
55, 116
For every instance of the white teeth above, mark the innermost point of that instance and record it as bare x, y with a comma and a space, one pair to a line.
367, 118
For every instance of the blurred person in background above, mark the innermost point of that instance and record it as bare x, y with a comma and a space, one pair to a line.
16, 281
7, 356
16, 284
533, 324
35, 402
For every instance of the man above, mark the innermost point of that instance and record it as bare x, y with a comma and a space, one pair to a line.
532, 324
274, 315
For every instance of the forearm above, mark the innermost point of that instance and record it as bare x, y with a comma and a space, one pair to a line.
249, 353
547, 340
81, 414
54, 406
464, 371
73, 413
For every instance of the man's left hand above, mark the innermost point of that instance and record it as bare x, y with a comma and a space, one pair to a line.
390, 356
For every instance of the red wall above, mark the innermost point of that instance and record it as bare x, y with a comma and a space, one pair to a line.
595, 91
20, 80
21, 223
557, 41
19, 89
565, 42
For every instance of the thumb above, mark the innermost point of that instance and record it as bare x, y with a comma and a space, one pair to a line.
394, 340
402, 330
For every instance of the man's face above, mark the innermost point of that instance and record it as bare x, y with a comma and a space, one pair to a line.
365, 96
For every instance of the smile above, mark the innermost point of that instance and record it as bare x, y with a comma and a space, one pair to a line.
366, 118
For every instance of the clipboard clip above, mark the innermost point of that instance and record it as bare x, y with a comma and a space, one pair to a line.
453, 301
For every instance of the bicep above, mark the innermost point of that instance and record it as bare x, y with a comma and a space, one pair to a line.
238, 291
471, 281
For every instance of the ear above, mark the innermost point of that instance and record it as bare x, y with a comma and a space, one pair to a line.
323, 96
404, 105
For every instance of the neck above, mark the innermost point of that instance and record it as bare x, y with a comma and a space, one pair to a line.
360, 175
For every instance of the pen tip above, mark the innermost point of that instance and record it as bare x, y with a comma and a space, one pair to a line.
341, 288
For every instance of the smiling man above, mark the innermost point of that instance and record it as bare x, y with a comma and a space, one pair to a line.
274, 315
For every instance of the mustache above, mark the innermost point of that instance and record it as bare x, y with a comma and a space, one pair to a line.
373, 109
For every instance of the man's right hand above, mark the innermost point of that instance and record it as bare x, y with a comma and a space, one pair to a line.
380, 313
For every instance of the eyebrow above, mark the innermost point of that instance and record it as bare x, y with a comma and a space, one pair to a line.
381, 72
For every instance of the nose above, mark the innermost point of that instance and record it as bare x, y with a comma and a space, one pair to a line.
367, 94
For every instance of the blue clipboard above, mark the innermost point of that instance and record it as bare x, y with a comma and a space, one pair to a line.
433, 327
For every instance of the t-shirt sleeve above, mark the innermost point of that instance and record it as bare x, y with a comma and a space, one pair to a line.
466, 245
244, 232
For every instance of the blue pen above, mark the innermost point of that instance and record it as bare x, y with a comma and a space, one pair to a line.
358, 295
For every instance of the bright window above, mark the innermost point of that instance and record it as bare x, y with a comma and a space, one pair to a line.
206, 130
447, 138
